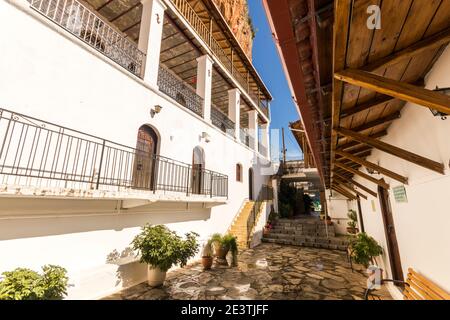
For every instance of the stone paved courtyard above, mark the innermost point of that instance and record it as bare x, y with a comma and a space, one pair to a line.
269, 271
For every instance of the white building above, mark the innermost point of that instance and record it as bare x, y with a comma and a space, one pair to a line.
116, 114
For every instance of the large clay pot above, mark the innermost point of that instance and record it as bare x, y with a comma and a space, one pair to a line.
221, 253
155, 276
207, 262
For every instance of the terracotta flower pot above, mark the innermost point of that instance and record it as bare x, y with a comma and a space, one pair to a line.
155, 276
207, 262
221, 251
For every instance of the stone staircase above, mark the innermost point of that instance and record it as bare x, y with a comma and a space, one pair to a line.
239, 226
306, 232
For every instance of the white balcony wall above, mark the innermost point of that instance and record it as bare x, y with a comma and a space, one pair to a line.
50, 75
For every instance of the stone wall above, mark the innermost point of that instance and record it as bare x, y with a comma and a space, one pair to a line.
236, 14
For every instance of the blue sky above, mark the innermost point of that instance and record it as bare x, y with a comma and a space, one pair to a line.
267, 62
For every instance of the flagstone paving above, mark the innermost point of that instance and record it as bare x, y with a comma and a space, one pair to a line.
269, 271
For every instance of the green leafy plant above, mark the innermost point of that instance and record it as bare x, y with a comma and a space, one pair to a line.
163, 248
364, 248
353, 220
26, 284
228, 240
207, 249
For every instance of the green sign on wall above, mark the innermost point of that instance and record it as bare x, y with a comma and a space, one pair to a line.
400, 194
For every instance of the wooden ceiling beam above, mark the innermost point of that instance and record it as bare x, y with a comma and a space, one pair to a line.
373, 166
377, 122
433, 42
346, 113
344, 184
353, 143
393, 150
397, 89
363, 175
343, 192
342, 9
357, 184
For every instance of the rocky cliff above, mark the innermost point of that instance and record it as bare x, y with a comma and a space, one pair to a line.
236, 14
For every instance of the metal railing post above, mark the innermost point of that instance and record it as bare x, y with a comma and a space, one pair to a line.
211, 186
100, 166
187, 180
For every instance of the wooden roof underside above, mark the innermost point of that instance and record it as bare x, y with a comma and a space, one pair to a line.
404, 24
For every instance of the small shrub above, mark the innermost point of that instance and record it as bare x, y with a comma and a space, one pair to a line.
163, 248
364, 249
26, 284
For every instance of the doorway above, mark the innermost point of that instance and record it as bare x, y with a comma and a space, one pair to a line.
144, 164
391, 237
250, 184
198, 170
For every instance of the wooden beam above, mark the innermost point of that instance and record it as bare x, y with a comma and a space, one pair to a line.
355, 143
357, 184
395, 151
344, 184
345, 193
435, 41
363, 175
377, 122
342, 9
373, 166
365, 106
397, 89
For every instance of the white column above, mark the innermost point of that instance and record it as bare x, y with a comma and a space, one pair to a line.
150, 35
204, 83
234, 109
265, 139
253, 128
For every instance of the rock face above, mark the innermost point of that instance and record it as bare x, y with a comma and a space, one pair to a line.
236, 14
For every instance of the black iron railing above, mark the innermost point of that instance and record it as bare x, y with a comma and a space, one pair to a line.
88, 26
178, 90
221, 121
36, 153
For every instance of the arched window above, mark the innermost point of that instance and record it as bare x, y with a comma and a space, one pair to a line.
238, 172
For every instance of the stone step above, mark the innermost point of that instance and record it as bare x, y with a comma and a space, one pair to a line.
332, 240
306, 244
303, 233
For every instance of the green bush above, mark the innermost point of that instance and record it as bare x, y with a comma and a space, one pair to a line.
227, 240
163, 248
364, 248
26, 284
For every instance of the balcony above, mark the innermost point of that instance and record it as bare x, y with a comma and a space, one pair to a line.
35, 153
221, 121
173, 86
91, 28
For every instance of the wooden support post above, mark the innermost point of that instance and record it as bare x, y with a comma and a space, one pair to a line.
397, 89
363, 175
373, 166
395, 151
357, 184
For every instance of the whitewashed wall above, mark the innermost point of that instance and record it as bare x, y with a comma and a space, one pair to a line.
48, 74
422, 224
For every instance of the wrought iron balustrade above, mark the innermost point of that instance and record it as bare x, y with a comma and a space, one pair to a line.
178, 90
35, 153
88, 26
221, 121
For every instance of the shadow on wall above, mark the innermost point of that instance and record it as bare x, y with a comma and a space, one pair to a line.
17, 228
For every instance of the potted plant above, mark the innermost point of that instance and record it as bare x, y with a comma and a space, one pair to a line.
267, 228
207, 255
162, 248
26, 284
364, 249
223, 244
328, 220
352, 229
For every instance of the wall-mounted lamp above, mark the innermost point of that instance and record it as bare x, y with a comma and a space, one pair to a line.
206, 136
155, 110
438, 113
